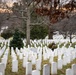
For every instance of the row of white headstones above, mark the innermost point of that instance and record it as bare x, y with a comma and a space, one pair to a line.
65, 56
35, 55
4, 59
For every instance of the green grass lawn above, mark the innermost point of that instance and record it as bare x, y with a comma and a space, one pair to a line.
21, 70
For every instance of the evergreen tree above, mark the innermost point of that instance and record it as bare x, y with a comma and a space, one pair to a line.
38, 32
16, 41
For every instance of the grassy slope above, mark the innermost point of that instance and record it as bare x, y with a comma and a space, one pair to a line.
21, 70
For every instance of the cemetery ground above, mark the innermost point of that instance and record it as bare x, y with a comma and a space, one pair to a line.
22, 70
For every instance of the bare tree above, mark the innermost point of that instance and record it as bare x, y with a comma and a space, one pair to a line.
53, 9
67, 26
28, 8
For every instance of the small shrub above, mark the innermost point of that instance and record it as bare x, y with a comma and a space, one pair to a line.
52, 46
6, 35
16, 41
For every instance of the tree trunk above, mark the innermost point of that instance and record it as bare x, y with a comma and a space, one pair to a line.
65, 35
70, 38
28, 27
50, 32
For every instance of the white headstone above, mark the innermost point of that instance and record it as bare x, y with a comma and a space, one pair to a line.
20, 56
54, 68
29, 68
73, 55
69, 72
15, 66
60, 64
0, 73
46, 69
35, 72
2, 68
64, 60
4, 61
24, 61
51, 59
38, 64
74, 69
33, 61
68, 59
